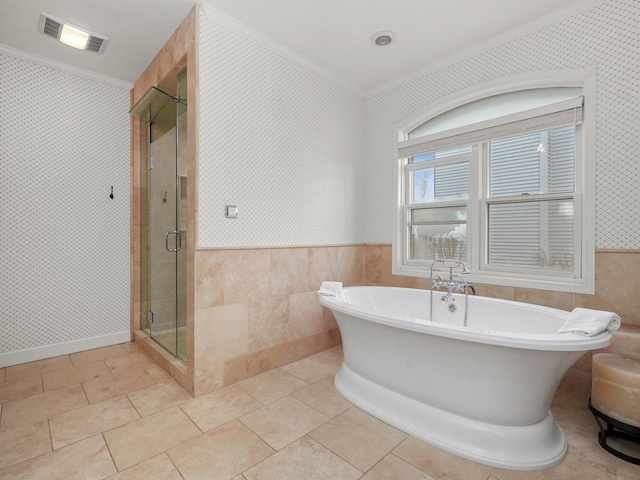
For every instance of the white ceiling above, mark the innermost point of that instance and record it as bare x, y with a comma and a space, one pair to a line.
136, 29
334, 35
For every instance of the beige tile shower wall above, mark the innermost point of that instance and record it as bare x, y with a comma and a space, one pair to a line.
617, 289
257, 309
178, 52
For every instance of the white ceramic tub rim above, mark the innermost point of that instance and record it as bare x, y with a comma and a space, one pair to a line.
534, 341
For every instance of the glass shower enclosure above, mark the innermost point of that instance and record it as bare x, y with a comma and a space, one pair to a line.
163, 211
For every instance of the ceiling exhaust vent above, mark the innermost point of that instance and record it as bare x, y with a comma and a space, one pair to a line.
70, 35
95, 44
51, 27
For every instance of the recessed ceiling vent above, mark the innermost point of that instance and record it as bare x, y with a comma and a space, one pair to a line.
70, 35
384, 38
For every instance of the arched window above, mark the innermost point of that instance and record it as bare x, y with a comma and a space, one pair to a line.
503, 182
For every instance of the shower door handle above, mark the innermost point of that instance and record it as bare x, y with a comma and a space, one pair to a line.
178, 242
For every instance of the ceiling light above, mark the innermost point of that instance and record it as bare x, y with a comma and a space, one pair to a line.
382, 39
74, 37
69, 35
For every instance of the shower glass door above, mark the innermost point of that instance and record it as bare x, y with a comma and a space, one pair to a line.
163, 314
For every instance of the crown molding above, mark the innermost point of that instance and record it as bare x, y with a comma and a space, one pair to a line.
495, 41
64, 67
249, 33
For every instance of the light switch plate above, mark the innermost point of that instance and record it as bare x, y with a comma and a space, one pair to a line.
231, 211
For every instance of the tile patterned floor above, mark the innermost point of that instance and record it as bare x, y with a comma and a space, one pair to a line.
113, 413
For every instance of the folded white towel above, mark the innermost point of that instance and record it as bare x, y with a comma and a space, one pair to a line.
330, 289
590, 322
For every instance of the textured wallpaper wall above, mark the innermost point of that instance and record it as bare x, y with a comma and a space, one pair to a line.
64, 256
307, 162
282, 143
607, 36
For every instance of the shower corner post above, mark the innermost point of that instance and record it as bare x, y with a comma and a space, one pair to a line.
178, 52
192, 190
134, 227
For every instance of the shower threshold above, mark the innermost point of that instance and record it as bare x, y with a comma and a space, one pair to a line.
167, 340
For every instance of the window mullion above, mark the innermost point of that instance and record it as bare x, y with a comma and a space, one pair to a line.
407, 187
578, 235
483, 214
473, 207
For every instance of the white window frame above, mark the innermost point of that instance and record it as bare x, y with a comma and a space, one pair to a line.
584, 194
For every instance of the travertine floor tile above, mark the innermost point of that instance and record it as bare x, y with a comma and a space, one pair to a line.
126, 368
74, 375
156, 468
114, 385
627, 471
20, 388
569, 469
270, 386
581, 431
219, 407
324, 397
220, 454
358, 437
97, 355
39, 407
24, 442
293, 408
88, 459
158, 397
37, 368
311, 369
149, 436
131, 347
283, 421
392, 468
87, 421
156, 372
438, 463
585, 448
128, 362
304, 459
334, 355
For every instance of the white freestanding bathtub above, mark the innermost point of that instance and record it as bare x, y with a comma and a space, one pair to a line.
482, 391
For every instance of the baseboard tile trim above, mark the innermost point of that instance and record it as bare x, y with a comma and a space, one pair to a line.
8, 359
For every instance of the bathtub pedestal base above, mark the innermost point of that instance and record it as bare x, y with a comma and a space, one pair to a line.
531, 447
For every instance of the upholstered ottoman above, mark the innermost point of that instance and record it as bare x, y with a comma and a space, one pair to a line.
615, 399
